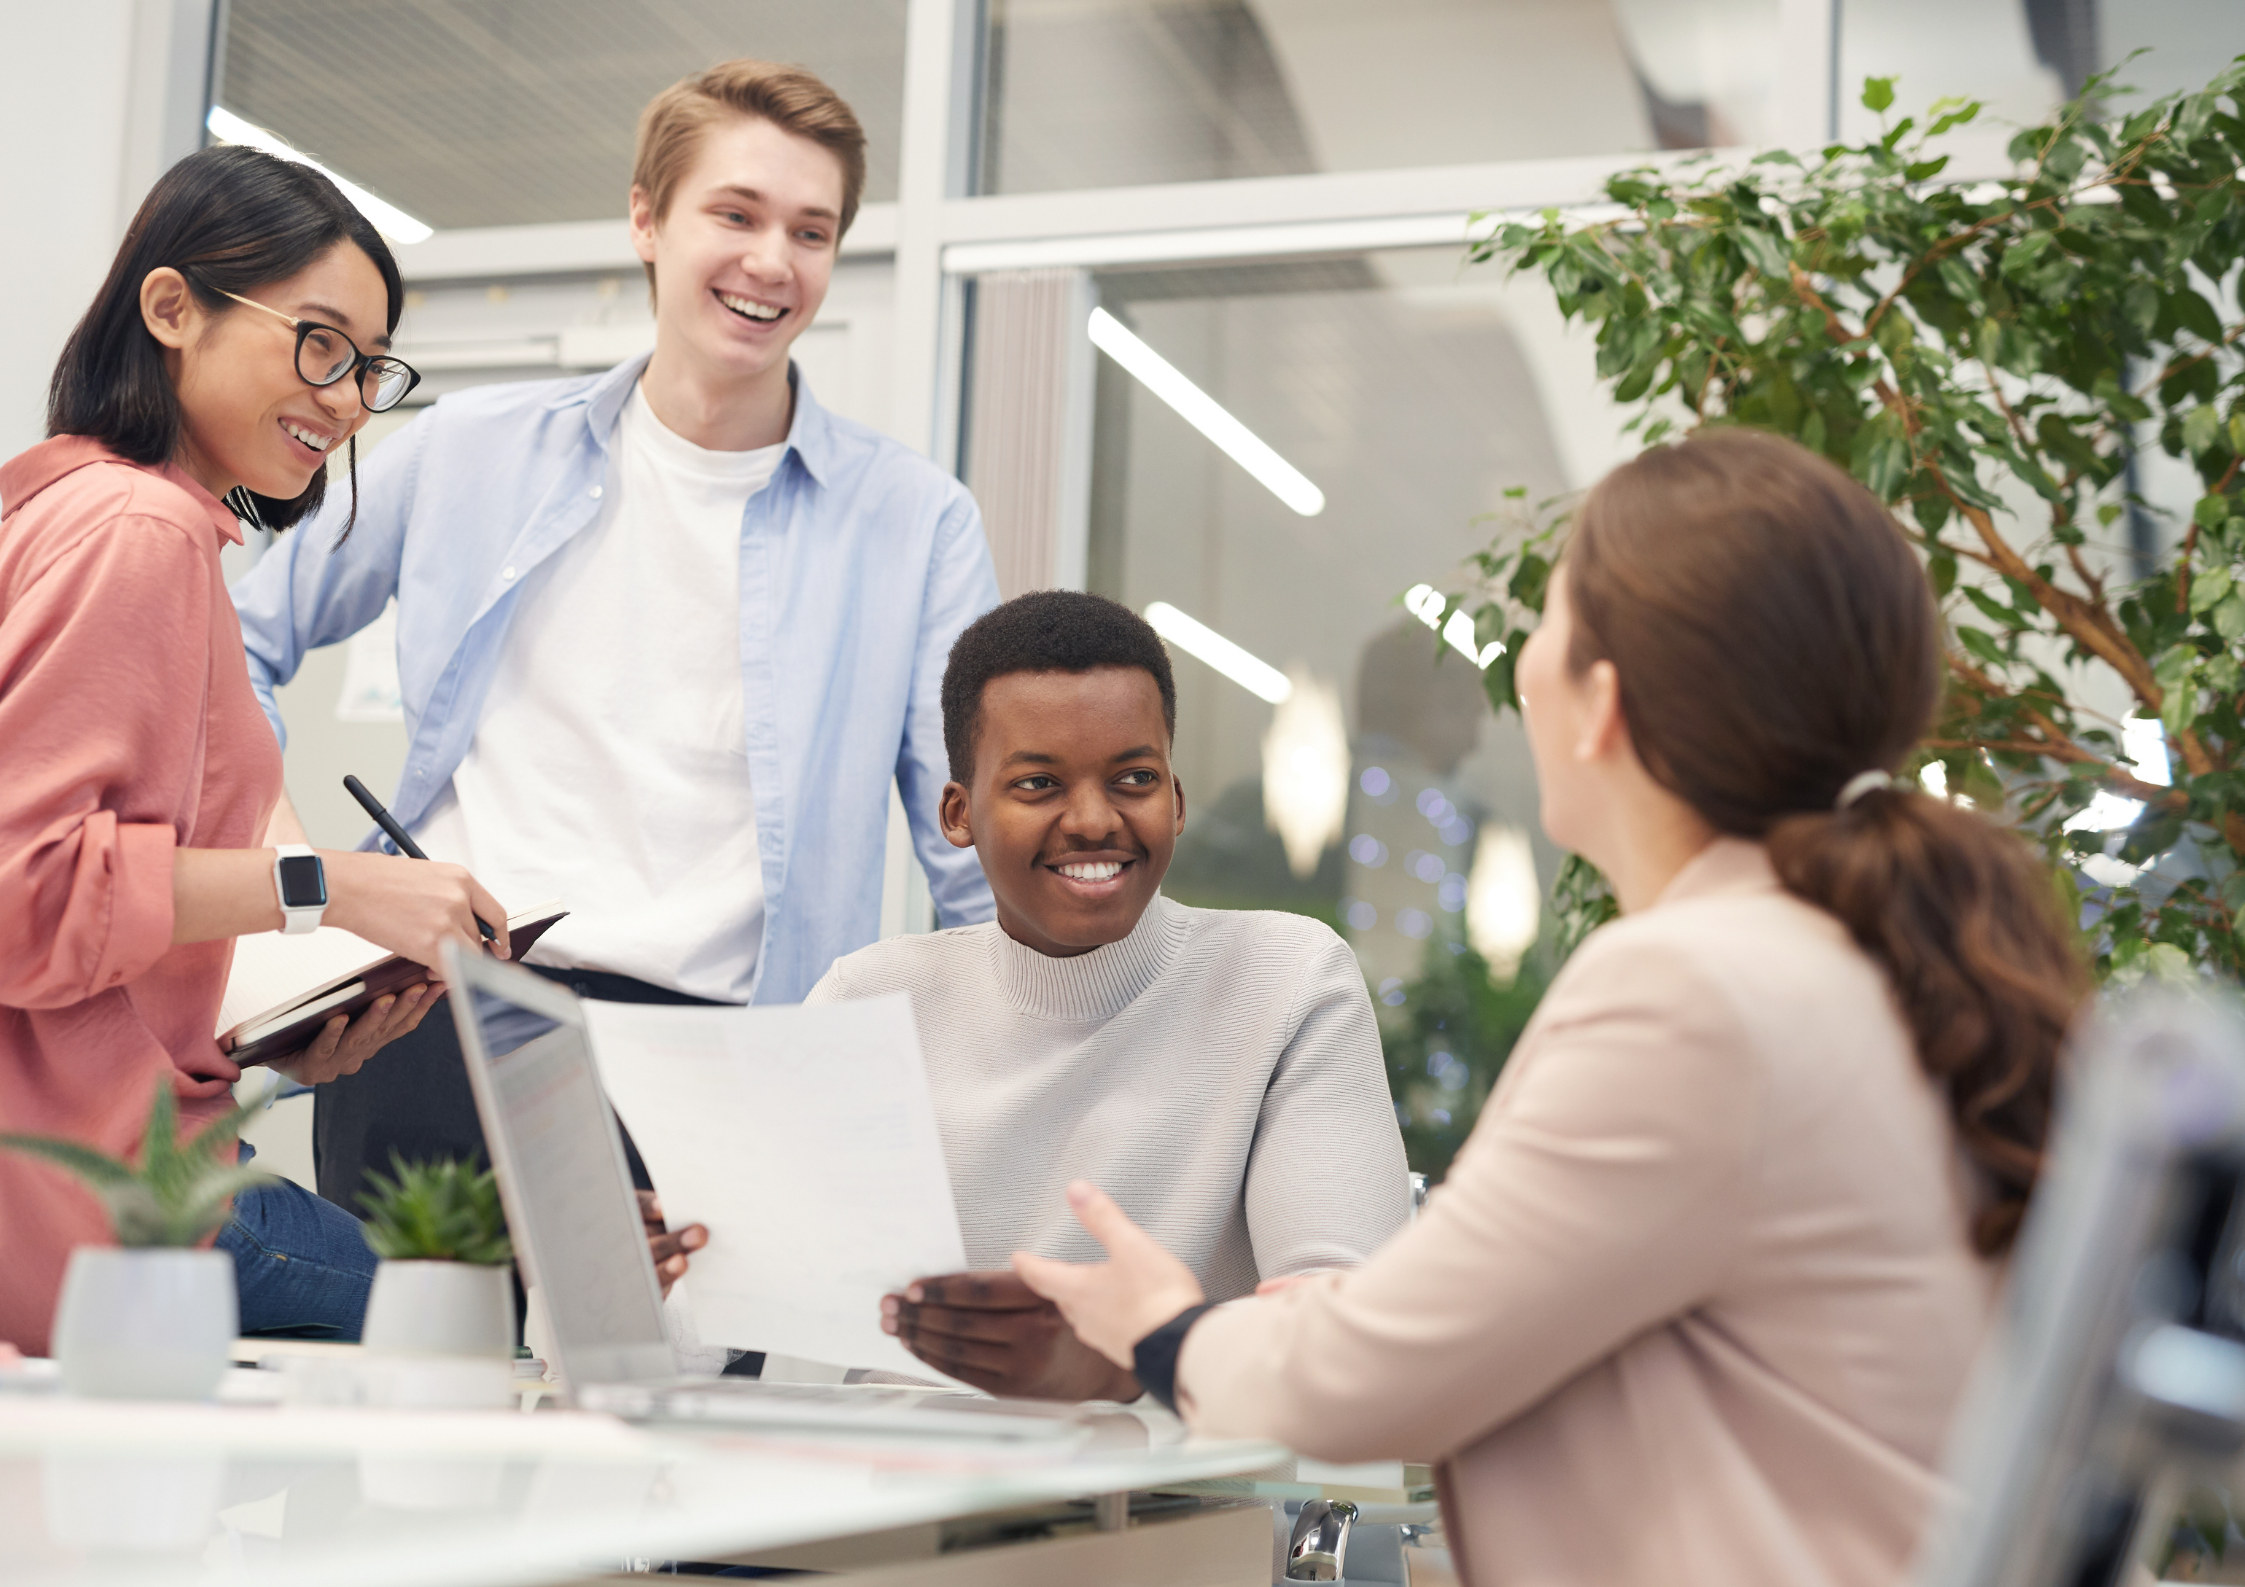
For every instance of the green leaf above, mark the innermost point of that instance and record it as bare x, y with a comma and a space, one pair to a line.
1982, 646
1878, 93
2208, 589
1762, 250
2202, 429
1995, 611
97, 1169
441, 1212
165, 1199
2140, 304
1943, 120
1941, 569
2229, 618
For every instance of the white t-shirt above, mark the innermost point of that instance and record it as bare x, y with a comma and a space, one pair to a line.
609, 769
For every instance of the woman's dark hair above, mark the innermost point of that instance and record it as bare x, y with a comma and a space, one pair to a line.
229, 219
1774, 637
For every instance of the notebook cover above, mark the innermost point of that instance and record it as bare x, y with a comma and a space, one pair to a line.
382, 977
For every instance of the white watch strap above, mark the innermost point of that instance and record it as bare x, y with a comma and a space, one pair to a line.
295, 922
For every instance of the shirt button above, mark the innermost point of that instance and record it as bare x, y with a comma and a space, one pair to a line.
596, 493
508, 574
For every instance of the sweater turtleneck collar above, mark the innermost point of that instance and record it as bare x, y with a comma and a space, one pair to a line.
1089, 986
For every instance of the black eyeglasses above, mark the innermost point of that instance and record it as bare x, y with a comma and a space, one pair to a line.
325, 355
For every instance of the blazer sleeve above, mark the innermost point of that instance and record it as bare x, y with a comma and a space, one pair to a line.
316, 586
1602, 1192
103, 663
962, 585
1326, 1182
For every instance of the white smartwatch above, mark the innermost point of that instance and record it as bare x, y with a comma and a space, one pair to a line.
301, 881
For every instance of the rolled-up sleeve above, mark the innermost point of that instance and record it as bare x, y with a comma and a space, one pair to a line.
102, 670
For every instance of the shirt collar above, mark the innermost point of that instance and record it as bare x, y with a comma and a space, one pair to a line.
1087, 986
810, 433
1727, 865
28, 473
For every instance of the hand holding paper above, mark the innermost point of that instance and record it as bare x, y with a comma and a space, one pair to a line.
805, 1140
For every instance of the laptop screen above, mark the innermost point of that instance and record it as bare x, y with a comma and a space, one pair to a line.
568, 1196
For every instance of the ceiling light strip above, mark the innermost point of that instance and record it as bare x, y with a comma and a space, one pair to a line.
1205, 414
1250, 671
391, 221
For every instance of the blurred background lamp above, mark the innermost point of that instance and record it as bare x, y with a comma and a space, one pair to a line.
1503, 901
1306, 772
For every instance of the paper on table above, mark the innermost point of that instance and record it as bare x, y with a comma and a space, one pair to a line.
805, 1138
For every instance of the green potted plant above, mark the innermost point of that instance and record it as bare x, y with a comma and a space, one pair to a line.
1999, 360
444, 1288
154, 1316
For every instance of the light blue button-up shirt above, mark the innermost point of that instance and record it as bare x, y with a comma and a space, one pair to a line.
860, 563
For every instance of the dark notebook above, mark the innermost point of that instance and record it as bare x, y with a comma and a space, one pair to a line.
289, 1026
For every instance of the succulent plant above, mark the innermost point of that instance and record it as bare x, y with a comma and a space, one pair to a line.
444, 1211
178, 1193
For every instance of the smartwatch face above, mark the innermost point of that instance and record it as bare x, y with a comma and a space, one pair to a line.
303, 882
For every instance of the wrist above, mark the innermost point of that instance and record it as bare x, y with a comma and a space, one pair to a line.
299, 887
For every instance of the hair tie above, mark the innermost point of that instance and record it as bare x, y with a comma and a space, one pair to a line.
1860, 784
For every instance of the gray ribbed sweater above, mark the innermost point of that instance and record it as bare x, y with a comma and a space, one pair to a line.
1217, 1072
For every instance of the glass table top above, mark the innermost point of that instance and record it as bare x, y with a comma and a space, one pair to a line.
95, 1492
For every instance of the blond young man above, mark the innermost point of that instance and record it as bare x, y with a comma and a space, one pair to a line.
666, 635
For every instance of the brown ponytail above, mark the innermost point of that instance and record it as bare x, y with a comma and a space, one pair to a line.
1774, 638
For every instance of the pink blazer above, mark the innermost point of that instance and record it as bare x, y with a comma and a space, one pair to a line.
1697, 1300
127, 729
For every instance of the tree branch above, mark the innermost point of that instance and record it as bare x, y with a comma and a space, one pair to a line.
2054, 743
2089, 624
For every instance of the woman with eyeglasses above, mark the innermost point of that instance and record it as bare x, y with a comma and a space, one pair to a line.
240, 339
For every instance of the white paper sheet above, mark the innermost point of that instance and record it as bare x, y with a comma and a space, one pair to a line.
805, 1139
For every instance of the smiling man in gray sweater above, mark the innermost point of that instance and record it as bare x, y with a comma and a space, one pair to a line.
1217, 1071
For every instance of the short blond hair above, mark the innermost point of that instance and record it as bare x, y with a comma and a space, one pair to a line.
789, 97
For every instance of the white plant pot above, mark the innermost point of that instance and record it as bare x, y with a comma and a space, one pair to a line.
440, 1309
439, 1334
148, 1324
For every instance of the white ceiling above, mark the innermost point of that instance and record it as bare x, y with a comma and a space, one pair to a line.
498, 112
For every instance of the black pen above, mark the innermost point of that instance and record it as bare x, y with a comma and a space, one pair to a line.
398, 835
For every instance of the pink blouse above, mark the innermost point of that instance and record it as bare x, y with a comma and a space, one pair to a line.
127, 729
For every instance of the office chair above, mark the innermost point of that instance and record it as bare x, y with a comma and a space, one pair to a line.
2116, 1374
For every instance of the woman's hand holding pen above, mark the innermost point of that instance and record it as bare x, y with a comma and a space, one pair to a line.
411, 907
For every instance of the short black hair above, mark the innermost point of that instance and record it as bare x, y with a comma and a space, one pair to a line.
1044, 631
228, 219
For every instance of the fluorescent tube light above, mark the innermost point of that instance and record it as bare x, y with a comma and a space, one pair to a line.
1426, 603
1205, 414
1257, 676
391, 221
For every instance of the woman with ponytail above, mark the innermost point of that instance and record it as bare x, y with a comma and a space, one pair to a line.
1699, 1296
241, 338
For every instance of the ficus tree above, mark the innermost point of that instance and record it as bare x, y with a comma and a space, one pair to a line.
1996, 359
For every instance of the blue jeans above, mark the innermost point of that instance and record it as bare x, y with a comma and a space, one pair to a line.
301, 1267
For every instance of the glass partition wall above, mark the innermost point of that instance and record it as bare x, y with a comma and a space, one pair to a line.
1268, 199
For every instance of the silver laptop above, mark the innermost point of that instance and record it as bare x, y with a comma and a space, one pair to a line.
577, 1232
